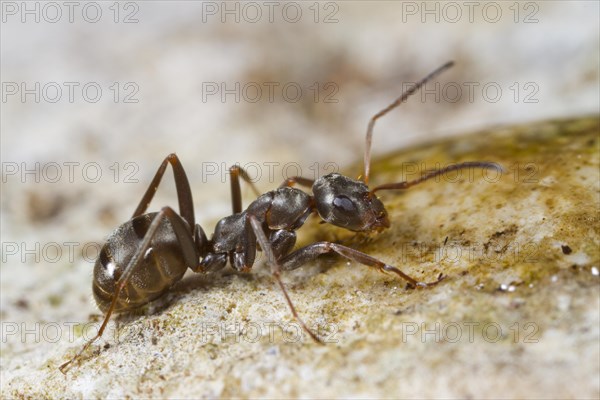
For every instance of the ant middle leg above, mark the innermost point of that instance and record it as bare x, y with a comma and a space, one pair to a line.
236, 193
267, 248
312, 251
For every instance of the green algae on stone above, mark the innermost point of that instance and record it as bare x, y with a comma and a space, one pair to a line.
546, 198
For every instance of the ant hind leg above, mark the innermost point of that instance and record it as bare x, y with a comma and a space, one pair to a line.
184, 193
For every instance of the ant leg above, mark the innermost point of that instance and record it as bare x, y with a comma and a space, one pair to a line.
312, 251
180, 230
276, 271
184, 193
289, 182
282, 242
236, 193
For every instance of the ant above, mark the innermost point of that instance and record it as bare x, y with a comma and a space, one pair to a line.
143, 258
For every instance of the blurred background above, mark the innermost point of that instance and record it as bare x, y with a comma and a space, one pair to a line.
96, 94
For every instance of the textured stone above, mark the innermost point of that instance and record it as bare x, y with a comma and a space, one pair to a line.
517, 315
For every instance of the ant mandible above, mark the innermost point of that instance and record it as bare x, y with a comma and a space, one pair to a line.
147, 255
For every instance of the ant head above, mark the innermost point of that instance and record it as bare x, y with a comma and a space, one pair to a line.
349, 204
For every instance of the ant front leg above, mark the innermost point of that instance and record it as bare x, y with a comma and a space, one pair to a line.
276, 271
312, 251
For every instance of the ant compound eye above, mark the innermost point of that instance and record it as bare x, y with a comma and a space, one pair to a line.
343, 203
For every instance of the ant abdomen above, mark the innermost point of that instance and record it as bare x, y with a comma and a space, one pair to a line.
162, 266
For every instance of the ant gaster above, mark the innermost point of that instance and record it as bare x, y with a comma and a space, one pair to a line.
148, 254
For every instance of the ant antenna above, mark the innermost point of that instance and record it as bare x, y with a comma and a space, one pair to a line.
395, 104
433, 174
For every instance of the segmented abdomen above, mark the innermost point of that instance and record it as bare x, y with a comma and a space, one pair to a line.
161, 267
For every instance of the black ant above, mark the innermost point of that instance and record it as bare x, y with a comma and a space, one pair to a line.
146, 255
